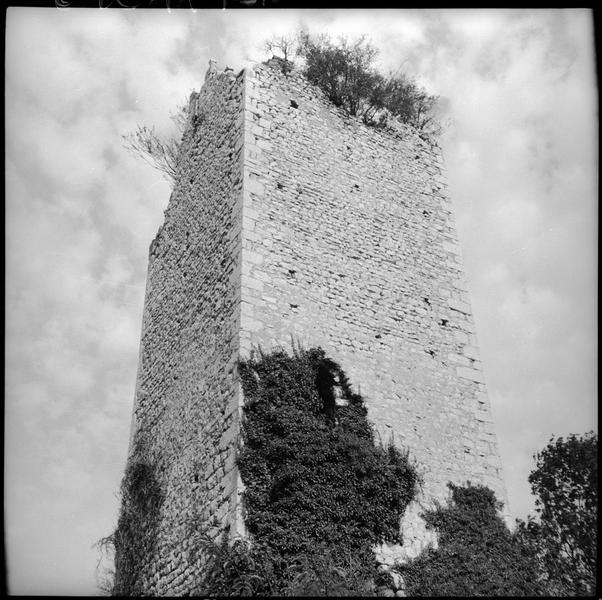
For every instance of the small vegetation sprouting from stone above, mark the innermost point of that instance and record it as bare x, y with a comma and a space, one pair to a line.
319, 490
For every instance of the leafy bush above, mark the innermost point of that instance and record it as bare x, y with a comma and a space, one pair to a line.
346, 73
315, 480
477, 554
240, 568
565, 533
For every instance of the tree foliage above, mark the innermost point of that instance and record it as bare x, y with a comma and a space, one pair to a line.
346, 72
564, 532
476, 556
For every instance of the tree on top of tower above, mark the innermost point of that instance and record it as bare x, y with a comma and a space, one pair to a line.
346, 72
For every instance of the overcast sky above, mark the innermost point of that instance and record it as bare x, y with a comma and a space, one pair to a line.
521, 151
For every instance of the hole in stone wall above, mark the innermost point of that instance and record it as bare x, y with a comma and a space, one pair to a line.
294, 104
292, 274
431, 352
426, 213
294, 305
196, 478
378, 336
326, 380
427, 301
443, 322
356, 186
279, 186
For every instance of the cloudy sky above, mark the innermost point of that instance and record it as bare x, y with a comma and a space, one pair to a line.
521, 152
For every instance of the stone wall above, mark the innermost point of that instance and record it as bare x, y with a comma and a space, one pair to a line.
186, 407
349, 243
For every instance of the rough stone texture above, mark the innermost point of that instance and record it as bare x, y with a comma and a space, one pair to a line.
186, 407
290, 218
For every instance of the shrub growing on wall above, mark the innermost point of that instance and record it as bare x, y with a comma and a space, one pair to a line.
315, 480
135, 538
477, 554
346, 72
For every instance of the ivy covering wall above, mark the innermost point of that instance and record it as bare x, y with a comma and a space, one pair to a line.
135, 538
320, 490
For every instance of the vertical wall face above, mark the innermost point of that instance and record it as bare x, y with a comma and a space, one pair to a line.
349, 243
185, 415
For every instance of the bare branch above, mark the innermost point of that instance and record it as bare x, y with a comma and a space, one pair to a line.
161, 153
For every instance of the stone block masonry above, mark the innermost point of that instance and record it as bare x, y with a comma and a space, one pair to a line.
186, 407
290, 218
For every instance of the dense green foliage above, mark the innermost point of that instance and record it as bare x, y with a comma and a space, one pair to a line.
319, 492
312, 471
477, 555
136, 534
346, 73
564, 533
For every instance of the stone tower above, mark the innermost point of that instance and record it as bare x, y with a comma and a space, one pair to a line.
291, 218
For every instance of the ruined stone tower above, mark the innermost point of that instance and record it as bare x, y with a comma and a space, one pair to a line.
291, 218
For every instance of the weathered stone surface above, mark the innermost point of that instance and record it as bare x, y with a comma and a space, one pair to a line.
299, 220
190, 334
